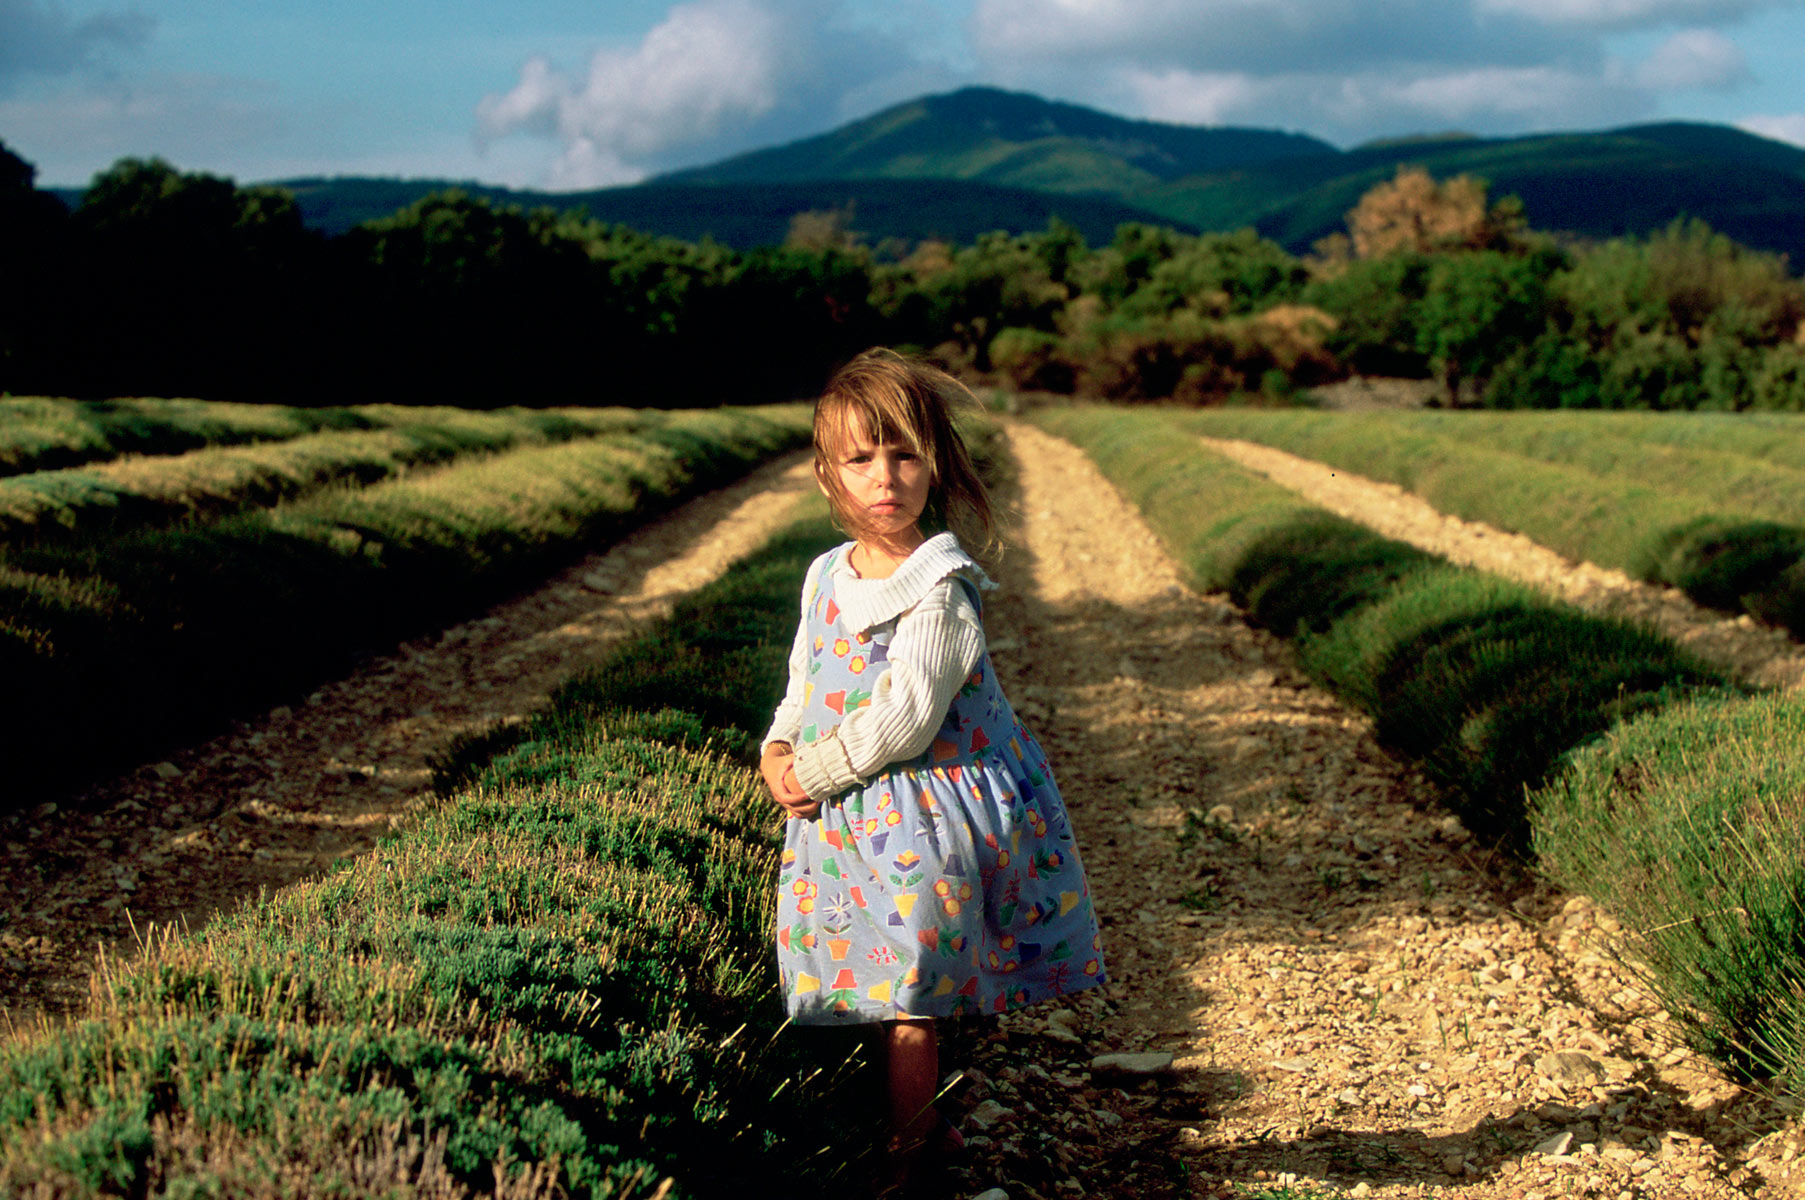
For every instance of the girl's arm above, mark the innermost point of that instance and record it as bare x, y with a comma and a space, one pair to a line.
786, 723
936, 646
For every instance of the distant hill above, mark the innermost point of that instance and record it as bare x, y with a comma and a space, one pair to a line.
746, 215
1624, 181
957, 164
1010, 138
1296, 189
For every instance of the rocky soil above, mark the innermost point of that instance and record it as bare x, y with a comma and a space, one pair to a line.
282, 797
1323, 985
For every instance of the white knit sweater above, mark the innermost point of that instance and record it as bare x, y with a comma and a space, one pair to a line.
938, 641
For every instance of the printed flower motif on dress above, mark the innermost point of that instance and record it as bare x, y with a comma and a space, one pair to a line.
836, 913
953, 897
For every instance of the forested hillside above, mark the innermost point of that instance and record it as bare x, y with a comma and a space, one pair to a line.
955, 165
173, 284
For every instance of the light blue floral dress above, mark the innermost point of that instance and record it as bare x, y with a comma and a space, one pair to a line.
948, 883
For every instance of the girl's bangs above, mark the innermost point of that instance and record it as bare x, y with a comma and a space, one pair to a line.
870, 420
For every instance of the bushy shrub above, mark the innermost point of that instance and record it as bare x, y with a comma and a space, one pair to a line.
1689, 826
557, 982
1150, 358
1376, 305
1551, 371
1188, 357
114, 648
1687, 281
1032, 359
1680, 320
1724, 561
1216, 274
1488, 683
1289, 340
1779, 384
973, 293
1477, 310
1651, 368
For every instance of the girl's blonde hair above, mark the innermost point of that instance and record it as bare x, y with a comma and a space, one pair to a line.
882, 396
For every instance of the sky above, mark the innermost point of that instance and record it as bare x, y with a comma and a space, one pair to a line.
562, 94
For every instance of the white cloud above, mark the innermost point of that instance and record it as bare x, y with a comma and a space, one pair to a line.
584, 164
534, 105
1256, 36
1625, 14
1483, 100
1041, 27
707, 67
1786, 127
1535, 94
1693, 58
1193, 98
1352, 71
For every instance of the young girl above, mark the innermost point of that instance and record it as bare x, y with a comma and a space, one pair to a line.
929, 869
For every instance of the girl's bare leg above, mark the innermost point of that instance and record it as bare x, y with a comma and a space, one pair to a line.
912, 1061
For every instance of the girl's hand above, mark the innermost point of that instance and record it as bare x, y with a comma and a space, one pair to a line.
795, 801
778, 766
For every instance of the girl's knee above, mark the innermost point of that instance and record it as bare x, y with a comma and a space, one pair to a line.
910, 1034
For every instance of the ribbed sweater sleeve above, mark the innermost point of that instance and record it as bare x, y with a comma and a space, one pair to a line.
936, 646
786, 722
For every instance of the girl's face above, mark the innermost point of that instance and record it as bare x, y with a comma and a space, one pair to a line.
885, 483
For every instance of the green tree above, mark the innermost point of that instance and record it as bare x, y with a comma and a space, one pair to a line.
1117, 271
1680, 319
1377, 306
1061, 249
778, 325
1000, 281
1686, 280
1477, 310
33, 302
191, 285
1219, 274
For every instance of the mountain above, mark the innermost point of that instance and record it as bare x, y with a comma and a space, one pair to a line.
1009, 138
1297, 189
752, 214
957, 164
1623, 181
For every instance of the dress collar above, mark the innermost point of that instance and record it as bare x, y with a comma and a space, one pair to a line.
865, 603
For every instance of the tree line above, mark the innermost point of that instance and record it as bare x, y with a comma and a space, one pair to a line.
162, 282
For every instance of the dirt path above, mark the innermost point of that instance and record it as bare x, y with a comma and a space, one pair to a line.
1355, 1001
1758, 653
286, 795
